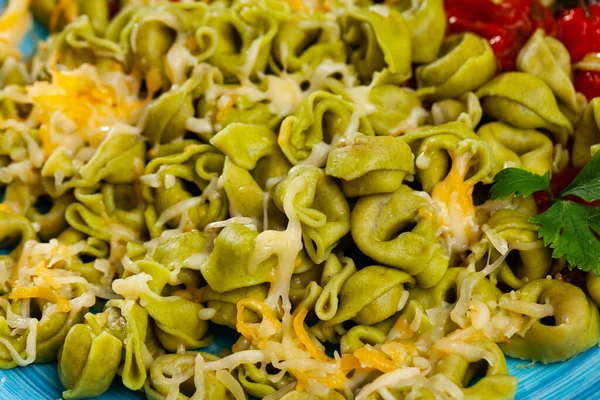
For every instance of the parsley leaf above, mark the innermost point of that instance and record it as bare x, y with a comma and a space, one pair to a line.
519, 182
567, 228
586, 184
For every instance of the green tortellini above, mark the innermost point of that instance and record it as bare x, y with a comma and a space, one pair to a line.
466, 109
80, 43
14, 72
224, 304
462, 370
250, 168
146, 34
183, 174
227, 268
107, 212
177, 318
573, 328
118, 160
302, 42
56, 15
336, 272
521, 237
592, 284
128, 322
547, 58
587, 134
53, 329
378, 43
381, 228
526, 102
438, 148
175, 251
467, 62
321, 208
519, 148
179, 369
359, 335
272, 167
367, 308
245, 34
426, 20
18, 342
166, 116
245, 144
370, 164
16, 231
256, 381
51, 223
88, 361
397, 110
447, 289
317, 121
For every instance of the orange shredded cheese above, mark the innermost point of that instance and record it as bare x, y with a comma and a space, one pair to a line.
41, 292
454, 195
311, 347
371, 358
44, 272
260, 308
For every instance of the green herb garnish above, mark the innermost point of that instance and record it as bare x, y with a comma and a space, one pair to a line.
567, 227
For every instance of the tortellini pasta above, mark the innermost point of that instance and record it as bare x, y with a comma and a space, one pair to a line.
562, 336
315, 124
302, 41
587, 135
267, 181
379, 43
321, 208
383, 164
526, 102
180, 369
439, 149
512, 229
467, 62
522, 148
547, 58
372, 307
381, 227
427, 23
466, 108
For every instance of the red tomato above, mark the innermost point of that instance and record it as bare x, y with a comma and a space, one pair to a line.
558, 183
580, 34
506, 25
588, 83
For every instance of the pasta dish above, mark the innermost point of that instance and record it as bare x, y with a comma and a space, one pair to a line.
377, 200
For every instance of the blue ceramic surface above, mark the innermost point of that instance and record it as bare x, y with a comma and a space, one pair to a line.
578, 378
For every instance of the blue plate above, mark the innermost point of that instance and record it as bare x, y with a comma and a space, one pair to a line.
578, 378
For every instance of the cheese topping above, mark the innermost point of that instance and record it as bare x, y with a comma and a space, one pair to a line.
15, 22
82, 102
455, 212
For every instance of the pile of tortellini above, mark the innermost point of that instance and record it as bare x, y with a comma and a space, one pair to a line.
276, 174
